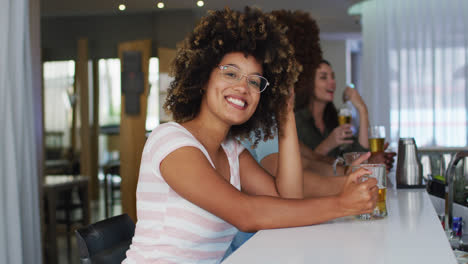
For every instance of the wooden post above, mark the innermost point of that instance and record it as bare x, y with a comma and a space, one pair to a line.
83, 102
166, 56
73, 142
94, 134
132, 131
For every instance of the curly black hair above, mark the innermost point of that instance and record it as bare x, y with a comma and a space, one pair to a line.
253, 33
303, 34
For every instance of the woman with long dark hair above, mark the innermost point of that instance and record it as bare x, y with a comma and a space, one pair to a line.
317, 123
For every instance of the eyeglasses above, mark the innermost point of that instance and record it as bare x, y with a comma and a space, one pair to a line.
233, 75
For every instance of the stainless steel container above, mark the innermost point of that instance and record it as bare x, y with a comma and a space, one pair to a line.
409, 169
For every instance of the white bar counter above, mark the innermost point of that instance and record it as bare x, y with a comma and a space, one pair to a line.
411, 233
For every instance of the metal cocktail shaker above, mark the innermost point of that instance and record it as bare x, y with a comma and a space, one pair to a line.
409, 169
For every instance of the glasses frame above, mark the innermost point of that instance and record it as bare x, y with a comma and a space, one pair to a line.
247, 77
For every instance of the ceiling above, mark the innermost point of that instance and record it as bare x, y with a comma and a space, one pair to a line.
331, 15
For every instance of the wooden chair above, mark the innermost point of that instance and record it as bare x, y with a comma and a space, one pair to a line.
69, 206
110, 170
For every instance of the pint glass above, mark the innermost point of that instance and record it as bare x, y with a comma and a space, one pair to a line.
376, 138
344, 116
377, 171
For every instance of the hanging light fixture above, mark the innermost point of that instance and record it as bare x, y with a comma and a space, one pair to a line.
200, 3
122, 7
160, 4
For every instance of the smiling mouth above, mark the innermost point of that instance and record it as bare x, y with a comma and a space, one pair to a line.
237, 102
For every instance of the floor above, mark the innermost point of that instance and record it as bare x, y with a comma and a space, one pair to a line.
97, 214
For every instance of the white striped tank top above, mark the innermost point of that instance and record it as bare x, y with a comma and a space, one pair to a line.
171, 229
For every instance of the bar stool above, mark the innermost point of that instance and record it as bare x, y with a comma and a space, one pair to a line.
105, 241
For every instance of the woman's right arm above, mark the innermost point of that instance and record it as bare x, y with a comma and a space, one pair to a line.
361, 106
195, 180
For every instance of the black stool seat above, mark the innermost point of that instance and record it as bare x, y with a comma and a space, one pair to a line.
105, 241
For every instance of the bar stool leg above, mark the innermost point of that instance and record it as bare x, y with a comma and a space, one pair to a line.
112, 194
68, 223
106, 205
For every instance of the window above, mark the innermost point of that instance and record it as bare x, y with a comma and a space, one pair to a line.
428, 96
58, 100
110, 93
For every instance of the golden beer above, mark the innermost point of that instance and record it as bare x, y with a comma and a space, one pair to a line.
376, 144
342, 119
377, 172
381, 207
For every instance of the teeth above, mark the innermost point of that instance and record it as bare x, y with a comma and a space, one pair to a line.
236, 101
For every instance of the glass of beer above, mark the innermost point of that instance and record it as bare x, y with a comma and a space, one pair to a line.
350, 157
376, 138
344, 116
377, 171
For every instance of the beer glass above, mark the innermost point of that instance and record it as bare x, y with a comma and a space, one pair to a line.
345, 112
344, 116
350, 157
376, 138
377, 171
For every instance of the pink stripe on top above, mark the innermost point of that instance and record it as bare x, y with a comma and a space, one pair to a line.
171, 229
196, 219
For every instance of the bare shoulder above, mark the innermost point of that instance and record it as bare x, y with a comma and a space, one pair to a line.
187, 160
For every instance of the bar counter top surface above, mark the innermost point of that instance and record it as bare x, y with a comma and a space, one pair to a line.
411, 233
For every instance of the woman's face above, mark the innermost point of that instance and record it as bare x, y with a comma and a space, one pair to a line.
229, 101
325, 84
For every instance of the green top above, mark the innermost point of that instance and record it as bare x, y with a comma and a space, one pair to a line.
311, 136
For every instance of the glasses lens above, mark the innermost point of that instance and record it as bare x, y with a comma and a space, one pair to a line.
233, 75
254, 82
258, 83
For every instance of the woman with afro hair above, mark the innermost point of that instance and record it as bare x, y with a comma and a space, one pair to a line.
197, 185
303, 34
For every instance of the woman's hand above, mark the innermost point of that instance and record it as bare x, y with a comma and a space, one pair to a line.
358, 161
356, 99
359, 197
340, 135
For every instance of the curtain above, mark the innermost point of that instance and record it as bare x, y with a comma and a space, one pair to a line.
414, 72
20, 240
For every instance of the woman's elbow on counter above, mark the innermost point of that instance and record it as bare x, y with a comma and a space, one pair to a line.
248, 221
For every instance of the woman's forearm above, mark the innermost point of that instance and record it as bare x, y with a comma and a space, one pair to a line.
363, 127
316, 185
271, 212
289, 178
324, 147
